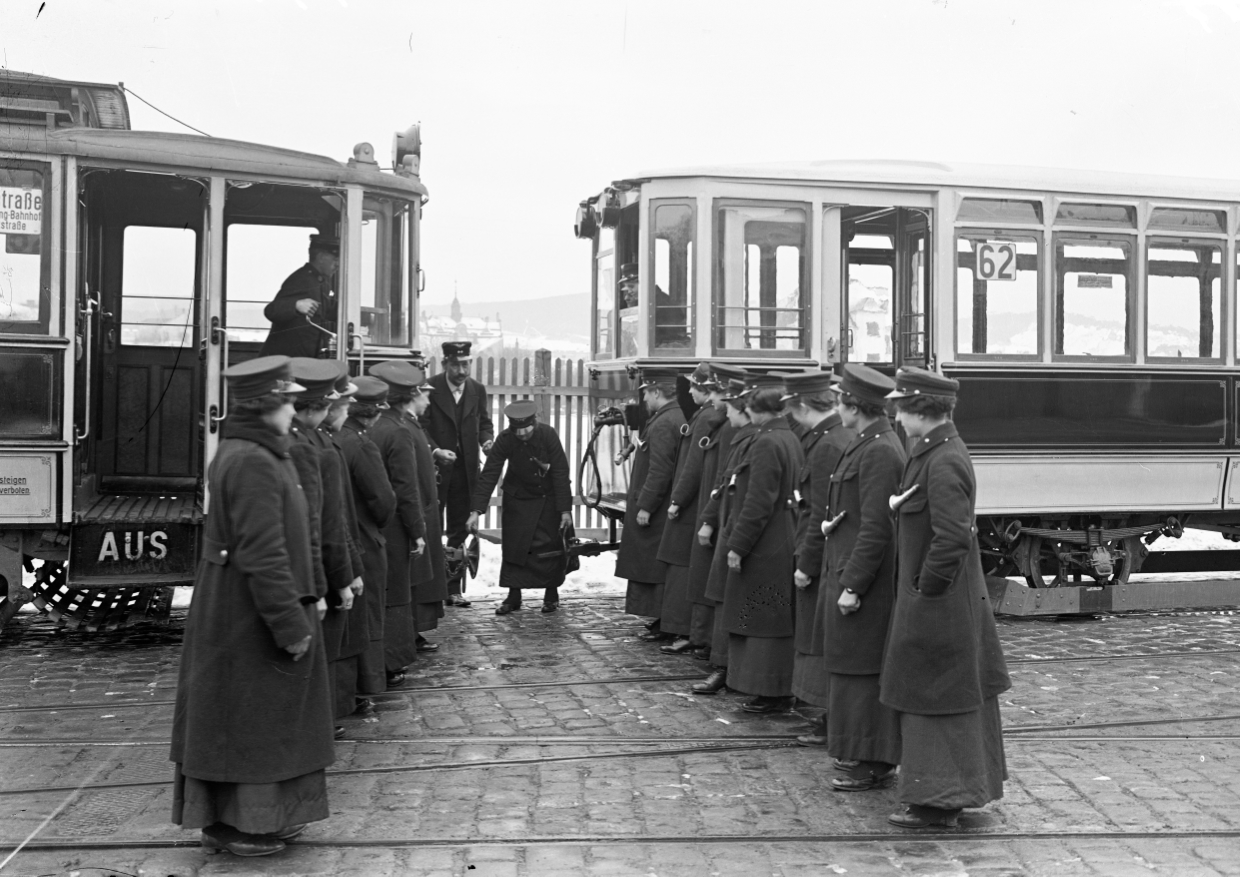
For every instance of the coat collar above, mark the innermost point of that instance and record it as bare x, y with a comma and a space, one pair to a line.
666, 408
820, 429
873, 431
352, 424
775, 424
937, 436
252, 428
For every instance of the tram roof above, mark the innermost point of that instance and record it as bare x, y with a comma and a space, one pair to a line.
929, 174
192, 152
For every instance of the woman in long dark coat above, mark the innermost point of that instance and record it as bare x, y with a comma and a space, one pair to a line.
537, 509
944, 666
252, 728
859, 584
375, 502
824, 437
428, 572
760, 541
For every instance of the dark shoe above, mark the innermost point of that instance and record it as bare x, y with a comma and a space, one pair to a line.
364, 708
864, 784
291, 832
765, 705
845, 764
506, 607
702, 653
652, 625
548, 608
656, 636
712, 684
915, 816
224, 837
396, 680
457, 600
425, 645
812, 739
677, 648
338, 732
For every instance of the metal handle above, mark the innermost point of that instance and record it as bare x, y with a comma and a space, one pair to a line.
219, 336
88, 313
361, 350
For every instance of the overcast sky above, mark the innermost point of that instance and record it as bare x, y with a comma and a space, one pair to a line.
527, 107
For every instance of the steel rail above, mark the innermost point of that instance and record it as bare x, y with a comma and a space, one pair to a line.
488, 740
1124, 723
956, 835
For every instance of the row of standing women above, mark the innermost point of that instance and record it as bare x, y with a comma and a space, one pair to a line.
786, 534
323, 564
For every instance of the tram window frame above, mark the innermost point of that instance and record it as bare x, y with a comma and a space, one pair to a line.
42, 323
389, 246
1086, 239
1220, 317
689, 348
605, 285
129, 298
804, 301
964, 299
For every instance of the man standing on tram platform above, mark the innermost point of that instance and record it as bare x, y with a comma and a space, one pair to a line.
304, 310
458, 421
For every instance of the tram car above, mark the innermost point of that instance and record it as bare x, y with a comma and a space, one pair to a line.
134, 269
1089, 317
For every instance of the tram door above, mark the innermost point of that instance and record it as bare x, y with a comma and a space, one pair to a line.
886, 285
143, 259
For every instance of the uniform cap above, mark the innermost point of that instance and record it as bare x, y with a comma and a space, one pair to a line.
702, 378
318, 376
628, 272
398, 374
521, 414
732, 388
808, 383
371, 391
456, 350
421, 385
325, 242
344, 385
755, 381
865, 383
912, 381
724, 372
255, 378
658, 377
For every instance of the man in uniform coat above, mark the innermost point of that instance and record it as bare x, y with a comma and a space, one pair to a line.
944, 668
305, 304
537, 510
405, 534
375, 502
459, 423
823, 438
650, 488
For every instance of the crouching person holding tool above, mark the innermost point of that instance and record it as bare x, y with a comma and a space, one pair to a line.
537, 506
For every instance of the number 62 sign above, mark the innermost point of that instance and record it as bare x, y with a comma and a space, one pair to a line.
994, 260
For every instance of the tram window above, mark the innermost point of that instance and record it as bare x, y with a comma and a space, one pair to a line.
869, 310
989, 211
1099, 215
25, 268
1092, 293
260, 258
1174, 219
760, 278
157, 286
1182, 289
605, 283
997, 282
386, 297
673, 276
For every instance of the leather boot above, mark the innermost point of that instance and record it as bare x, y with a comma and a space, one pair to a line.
712, 684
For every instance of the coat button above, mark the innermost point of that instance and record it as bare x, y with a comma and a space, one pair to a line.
223, 552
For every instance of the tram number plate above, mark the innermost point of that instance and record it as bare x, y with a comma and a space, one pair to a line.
152, 552
994, 260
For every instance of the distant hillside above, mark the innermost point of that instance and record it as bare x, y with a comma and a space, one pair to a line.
564, 317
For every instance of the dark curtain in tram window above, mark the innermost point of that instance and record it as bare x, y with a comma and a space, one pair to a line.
29, 405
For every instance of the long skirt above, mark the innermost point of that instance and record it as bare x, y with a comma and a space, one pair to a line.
426, 615
344, 686
400, 646
858, 726
760, 665
701, 624
370, 664
720, 641
676, 614
255, 808
810, 679
644, 598
952, 761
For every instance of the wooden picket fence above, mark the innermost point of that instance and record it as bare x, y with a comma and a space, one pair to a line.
561, 389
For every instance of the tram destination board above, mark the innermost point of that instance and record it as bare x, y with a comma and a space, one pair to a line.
109, 553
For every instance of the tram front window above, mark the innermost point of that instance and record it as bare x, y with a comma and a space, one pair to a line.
605, 284
259, 258
673, 276
760, 277
157, 286
24, 266
387, 273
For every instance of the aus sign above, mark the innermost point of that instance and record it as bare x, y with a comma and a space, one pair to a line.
115, 554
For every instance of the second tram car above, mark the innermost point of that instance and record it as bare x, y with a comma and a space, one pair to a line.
1089, 317
134, 268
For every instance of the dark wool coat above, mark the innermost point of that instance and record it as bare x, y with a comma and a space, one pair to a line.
679, 535
408, 524
427, 573
860, 553
462, 428
356, 633
291, 334
246, 712
650, 488
536, 472
719, 511
375, 502
823, 446
758, 597
714, 449
943, 654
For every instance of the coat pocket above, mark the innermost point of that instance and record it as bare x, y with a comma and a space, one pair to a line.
215, 552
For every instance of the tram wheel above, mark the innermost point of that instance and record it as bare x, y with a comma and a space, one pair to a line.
93, 609
1069, 562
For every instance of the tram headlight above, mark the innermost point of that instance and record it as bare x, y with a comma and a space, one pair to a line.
586, 225
407, 144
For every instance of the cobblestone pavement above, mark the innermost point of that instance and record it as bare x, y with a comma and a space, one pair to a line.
561, 745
